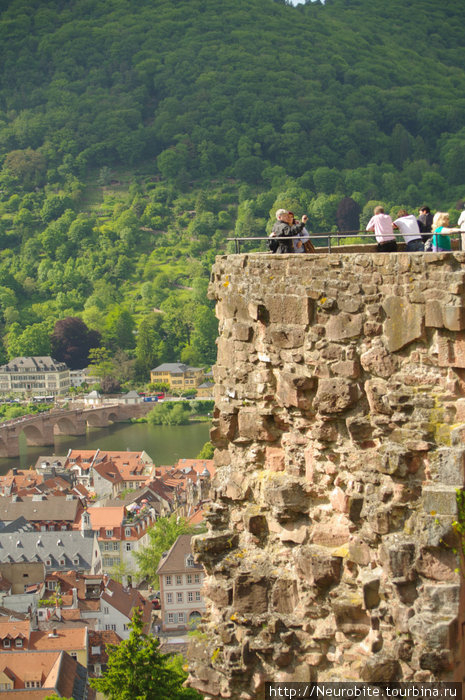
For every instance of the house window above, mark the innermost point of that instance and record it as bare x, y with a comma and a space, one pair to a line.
109, 533
125, 628
196, 578
179, 597
190, 596
128, 546
18, 643
197, 595
190, 560
32, 684
115, 546
73, 655
168, 580
48, 562
6, 643
189, 578
62, 562
127, 532
106, 610
51, 585
180, 617
76, 561
170, 618
169, 598
179, 580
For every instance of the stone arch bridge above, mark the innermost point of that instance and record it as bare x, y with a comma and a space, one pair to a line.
41, 428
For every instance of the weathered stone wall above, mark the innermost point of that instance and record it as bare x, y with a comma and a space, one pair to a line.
331, 552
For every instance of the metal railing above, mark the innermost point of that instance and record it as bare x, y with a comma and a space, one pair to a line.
333, 239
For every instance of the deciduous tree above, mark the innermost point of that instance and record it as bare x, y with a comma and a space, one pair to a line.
136, 670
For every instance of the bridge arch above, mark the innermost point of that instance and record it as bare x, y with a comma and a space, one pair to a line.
4, 452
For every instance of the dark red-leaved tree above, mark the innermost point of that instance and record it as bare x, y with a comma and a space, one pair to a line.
71, 341
348, 215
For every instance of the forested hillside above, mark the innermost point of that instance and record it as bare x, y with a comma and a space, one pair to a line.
136, 137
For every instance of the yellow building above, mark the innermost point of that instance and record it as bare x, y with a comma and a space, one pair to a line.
179, 376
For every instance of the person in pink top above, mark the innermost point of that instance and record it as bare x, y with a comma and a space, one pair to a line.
381, 224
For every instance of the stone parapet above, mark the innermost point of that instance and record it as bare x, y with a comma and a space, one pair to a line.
339, 430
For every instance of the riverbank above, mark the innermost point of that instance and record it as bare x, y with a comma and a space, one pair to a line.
165, 444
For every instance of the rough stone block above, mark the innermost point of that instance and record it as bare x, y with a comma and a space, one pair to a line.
433, 314
253, 425
274, 459
335, 395
379, 362
289, 309
347, 368
332, 533
344, 326
447, 465
404, 322
287, 339
318, 567
250, 594
451, 350
441, 500
438, 564
284, 492
399, 555
284, 596
242, 332
454, 317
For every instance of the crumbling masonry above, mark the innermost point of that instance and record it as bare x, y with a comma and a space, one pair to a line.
339, 430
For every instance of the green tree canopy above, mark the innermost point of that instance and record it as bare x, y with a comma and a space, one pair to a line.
162, 536
136, 670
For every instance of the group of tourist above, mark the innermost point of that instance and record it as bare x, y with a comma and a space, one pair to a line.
424, 232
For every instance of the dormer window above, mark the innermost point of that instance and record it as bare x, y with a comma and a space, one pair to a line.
62, 562
6, 643
127, 532
18, 643
190, 560
76, 561
109, 533
48, 562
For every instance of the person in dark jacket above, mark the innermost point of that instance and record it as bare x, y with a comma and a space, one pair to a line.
425, 220
285, 228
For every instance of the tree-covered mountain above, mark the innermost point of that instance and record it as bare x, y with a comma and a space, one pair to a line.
135, 137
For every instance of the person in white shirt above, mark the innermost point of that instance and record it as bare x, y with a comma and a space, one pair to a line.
407, 224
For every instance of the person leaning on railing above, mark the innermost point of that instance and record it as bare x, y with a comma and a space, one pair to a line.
441, 238
381, 224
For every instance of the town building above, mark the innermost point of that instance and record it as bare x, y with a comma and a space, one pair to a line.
177, 375
117, 607
78, 377
69, 549
98, 655
127, 469
71, 596
46, 513
120, 533
34, 376
181, 580
38, 674
21, 585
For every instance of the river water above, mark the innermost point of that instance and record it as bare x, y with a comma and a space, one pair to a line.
164, 443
